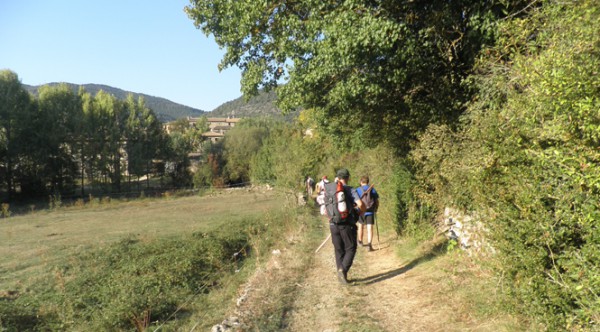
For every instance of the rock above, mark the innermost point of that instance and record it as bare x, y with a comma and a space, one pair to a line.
301, 199
229, 324
217, 328
467, 230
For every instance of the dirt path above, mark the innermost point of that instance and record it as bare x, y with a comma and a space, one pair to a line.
385, 294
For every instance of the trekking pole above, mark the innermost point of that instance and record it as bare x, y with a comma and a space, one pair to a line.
377, 229
322, 244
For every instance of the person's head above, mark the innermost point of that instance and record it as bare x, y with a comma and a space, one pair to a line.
343, 174
364, 179
324, 177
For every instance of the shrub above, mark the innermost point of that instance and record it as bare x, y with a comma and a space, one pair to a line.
526, 159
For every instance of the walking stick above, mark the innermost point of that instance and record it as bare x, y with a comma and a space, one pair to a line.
377, 229
322, 244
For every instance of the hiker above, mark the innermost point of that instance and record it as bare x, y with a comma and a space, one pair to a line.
370, 199
343, 215
320, 189
310, 186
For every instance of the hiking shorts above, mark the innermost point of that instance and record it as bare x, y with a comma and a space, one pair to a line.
367, 220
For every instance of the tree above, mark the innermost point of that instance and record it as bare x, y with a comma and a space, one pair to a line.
387, 68
178, 156
110, 117
240, 145
55, 127
143, 136
15, 103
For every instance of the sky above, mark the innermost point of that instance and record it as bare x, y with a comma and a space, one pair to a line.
148, 47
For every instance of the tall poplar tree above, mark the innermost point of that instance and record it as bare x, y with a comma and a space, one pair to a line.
59, 113
15, 102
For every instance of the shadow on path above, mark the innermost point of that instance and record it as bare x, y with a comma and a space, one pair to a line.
434, 252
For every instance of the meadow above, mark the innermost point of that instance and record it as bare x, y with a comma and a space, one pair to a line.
126, 265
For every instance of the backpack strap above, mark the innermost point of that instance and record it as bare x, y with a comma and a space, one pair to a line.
364, 191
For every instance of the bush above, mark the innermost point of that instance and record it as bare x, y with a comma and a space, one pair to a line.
526, 159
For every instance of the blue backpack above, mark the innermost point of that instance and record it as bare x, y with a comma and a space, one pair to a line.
366, 196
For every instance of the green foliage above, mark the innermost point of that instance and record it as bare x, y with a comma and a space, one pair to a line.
525, 160
5, 208
133, 277
556, 193
240, 145
67, 137
15, 106
287, 157
389, 66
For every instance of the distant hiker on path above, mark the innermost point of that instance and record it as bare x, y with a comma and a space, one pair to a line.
310, 187
370, 199
320, 190
343, 208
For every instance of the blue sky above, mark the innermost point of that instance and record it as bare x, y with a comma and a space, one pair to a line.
148, 47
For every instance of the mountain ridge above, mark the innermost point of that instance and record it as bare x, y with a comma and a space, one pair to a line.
165, 109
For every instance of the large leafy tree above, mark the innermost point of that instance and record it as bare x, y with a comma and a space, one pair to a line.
383, 68
15, 106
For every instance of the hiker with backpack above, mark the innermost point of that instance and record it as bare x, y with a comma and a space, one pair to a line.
320, 189
310, 186
370, 199
343, 207
321, 195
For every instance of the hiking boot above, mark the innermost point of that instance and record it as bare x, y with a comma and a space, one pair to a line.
360, 243
368, 247
342, 277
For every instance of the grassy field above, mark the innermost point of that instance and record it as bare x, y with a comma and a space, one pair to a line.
29, 243
73, 267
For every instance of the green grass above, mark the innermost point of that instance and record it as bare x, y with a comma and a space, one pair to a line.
33, 241
103, 266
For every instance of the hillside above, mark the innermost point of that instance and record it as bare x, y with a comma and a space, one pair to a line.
258, 106
165, 109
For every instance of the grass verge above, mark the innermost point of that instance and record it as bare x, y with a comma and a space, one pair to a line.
134, 265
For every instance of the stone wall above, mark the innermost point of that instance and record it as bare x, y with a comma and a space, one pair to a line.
467, 230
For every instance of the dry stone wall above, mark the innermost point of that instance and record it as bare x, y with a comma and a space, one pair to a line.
467, 230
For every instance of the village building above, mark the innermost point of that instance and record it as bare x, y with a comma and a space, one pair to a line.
218, 127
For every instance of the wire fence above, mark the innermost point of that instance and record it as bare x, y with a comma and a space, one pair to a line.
24, 205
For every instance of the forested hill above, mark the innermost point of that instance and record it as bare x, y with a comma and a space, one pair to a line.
258, 106
165, 109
